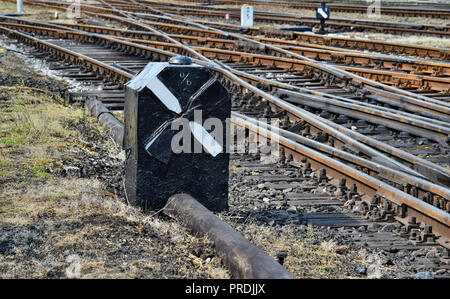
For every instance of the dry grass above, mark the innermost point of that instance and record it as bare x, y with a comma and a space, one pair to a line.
54, 226
74, 219
35, 12
307, 257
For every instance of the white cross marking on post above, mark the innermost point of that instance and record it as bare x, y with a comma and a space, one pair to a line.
324, 14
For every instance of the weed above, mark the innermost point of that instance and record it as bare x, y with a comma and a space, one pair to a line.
5, 174
40, 172
4, 164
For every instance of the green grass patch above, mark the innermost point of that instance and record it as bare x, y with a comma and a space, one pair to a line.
22, 183
39, 172
11, 141
4, 164
5, 174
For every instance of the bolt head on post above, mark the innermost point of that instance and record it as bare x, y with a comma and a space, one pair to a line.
180, 60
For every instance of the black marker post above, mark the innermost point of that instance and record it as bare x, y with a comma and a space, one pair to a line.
322, 14
169, 147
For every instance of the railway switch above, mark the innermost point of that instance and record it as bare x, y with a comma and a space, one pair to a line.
169, 148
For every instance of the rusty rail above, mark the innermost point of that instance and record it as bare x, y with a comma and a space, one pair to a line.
370, 185
299, 20
352, 8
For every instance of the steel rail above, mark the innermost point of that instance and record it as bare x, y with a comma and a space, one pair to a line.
360, 74
339, 73
372, 185
285, 17
273, 84
438, 13
284, 44
390, 120
103, 69
419, 164
288, 53
279, 16
407, 49
373, 169
362, 44
355, 140
444, 117
335, 23
380, 46
437, 174
242, 258
434, 216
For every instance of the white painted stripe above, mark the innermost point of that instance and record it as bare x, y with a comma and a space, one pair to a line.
320, 10
206, 139
164, 95
147, 146
156, 135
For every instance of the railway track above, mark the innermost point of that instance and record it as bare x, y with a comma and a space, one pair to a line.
335, 25
351, 8
303, 201
360, 44
311, 145
421, 82
367, 73
308, 82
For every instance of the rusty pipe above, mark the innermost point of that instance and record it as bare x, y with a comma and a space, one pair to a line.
244, 259
114, 127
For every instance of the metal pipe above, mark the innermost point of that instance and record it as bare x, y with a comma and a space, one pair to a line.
242, 258
114, 127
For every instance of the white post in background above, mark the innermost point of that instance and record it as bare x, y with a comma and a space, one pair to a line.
20, 6
374, 10
246, 16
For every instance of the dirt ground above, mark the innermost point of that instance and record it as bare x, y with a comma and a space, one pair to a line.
62, 209
34, 12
